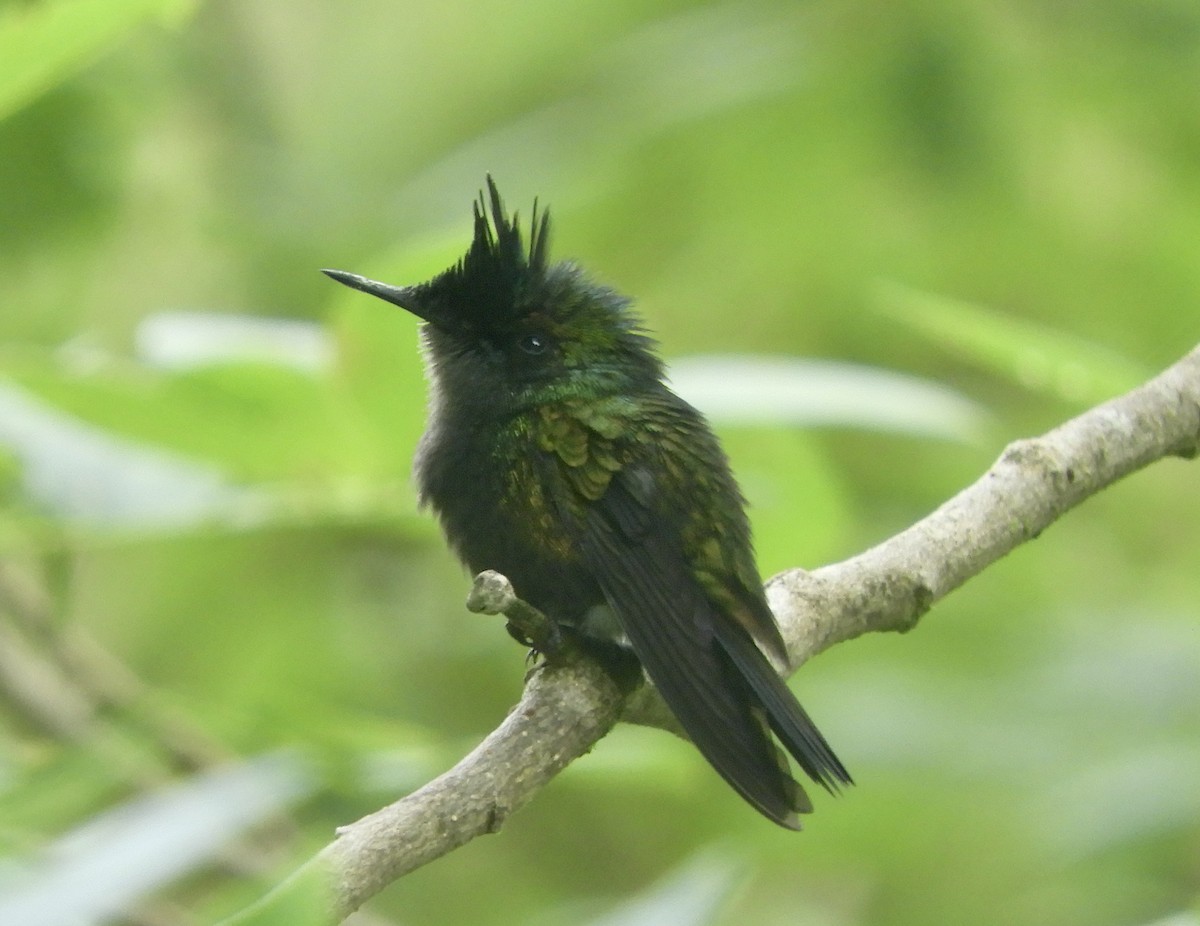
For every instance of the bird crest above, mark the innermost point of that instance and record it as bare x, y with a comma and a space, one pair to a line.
502, 293
495, 283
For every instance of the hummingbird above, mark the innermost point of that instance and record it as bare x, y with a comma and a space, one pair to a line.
555, 454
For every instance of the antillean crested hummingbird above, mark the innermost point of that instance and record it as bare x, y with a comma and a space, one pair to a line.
556, 455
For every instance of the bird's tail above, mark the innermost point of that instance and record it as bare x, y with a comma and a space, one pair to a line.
783, 713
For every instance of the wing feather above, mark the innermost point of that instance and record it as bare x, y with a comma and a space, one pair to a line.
787, 718
672, 626
685, 591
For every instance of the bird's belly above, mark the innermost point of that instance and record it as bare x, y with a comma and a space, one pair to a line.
561, 588
504, 518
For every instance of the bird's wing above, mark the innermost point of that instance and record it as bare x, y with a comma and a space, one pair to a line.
671, 624
672, 556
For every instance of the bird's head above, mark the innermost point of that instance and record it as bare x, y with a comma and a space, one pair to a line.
507, 327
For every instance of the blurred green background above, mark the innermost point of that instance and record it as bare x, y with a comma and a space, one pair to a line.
211, 546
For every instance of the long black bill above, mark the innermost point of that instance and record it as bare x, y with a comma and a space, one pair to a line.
403, 296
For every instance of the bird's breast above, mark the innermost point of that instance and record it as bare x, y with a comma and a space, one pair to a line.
501, 509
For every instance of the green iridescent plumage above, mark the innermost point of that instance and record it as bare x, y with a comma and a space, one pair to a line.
556, 455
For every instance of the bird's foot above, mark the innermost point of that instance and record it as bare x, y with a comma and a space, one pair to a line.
492, 593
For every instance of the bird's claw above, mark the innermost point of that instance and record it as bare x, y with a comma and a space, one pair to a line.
492, 593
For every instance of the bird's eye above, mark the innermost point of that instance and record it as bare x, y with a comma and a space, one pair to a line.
533, 344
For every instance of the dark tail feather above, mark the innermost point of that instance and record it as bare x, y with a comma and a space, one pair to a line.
714, 679
786, 717
719, 710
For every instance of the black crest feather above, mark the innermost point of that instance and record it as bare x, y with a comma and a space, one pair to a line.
497, 278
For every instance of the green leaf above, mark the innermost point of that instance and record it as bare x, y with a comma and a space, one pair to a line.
121, 855
77, 471
44, 44
255, 420
126, 444
797, 503
1039, 358
691, 895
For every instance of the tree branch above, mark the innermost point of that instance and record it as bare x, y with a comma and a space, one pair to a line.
566, 708
1032, 485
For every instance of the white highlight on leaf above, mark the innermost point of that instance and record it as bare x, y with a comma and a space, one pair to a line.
781, 390
104, 866
182, 340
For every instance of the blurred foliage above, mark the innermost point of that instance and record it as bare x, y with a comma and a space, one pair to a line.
220, 555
